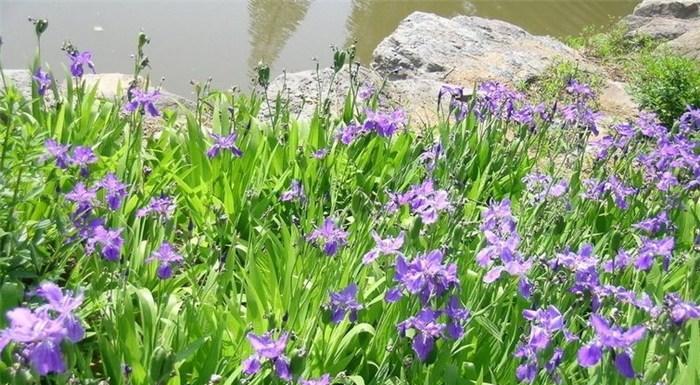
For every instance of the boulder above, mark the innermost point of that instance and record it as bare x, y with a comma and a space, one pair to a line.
21, 79
427, 51
678, 9
663, 28
688, 44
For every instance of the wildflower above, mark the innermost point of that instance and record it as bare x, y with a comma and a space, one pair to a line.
651, 249
84, 197
681, 311
329, 237
423, 200
384, 124
428, 330
496, 99
649, 125
580, 115
613, 338
144, 101
162, 206
351, 132
224, 142
430, 156
387, 246
497, 217
110, 242
544, 325
78, 60
114, 189
343, 302
59, 152
42, 331
457, 106
584, 266
295, 192
425, 276
619, 191
83, 157
690, 120
366, 91
43, 80
458, 316
320, 154
656, 224
268, 349
621, 261
167, 257
323, 380
580, 91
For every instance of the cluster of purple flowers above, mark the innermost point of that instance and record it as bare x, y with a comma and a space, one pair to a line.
344, 302
351, 132
81, 156
384, 124
543, 187
386, 246
545, 325
78, 61
295, 193
596, 190
142, 101
268, 349
673, 161
329, 237
43, 80
162, 206
430, 156
40, 332
425, 276
579, 113
502, 240
613, 338
167, 258
423, 200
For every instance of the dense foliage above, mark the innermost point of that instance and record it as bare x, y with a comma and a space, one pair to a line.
504, 244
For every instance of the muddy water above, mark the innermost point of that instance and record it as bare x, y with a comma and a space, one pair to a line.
195, 39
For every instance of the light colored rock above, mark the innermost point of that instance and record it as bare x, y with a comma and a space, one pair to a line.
679, 9
114, 85
616, 102
427, 51
663, 28
687, 44
22, 79
301, 90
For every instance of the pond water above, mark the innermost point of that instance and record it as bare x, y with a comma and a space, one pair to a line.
195, 39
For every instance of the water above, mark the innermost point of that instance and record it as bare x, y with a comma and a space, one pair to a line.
195, 39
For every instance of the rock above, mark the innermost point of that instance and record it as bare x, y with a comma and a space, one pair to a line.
22, 79
687, 44
427, 50
662, 28
616, 102
301, 89
114, 85
679, 9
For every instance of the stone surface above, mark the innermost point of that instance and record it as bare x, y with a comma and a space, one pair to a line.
113, 85
22, 79
427, 50
301, 89
615, 102
664, 28
679, 9
687, 44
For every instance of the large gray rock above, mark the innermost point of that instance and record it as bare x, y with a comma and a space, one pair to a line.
679, 9
427, 51
676, 21
21, 79
301, 89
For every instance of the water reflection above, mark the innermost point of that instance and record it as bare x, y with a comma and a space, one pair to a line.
193, 39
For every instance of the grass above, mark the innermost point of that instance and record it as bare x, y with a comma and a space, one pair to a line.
249, 268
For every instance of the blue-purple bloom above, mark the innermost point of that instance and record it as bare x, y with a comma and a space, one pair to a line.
344, 302
426, 276
320, 153
59, 152
544, 325
652, 248
329, 237
167, 258
82, 196
656, 224
457, 316
224, 142
681, 311
109, 241
115, 191
596, 190
612, 338
268, 349
365, 92
43, 81
40, 332
387, 246
423, 200
143, 101
78, 60
295, 192
428, 330
163, 206
82, 157
351, 132
385, 123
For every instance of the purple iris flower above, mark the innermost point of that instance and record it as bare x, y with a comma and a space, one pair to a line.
59, 152
581, 115
163, 206
224, 142
650, 126
580, 91
351, 132
84, 197
652, 248
423, 200
268, 349
329, 236
681, 311
83, 157
584, 266
114, 189
383, 123
496, 99
78, 60
145, 101
109, 241
457, 316
343, 302
387, 246
613, 338
428, 330
619, 191
366, 91
167, 258
323, 380
295, 192
624, 296
320, 153
544, 325
690, 120
43, 80
621, 261
457, 106
42, 331
654, 225
430, 156
426, 276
